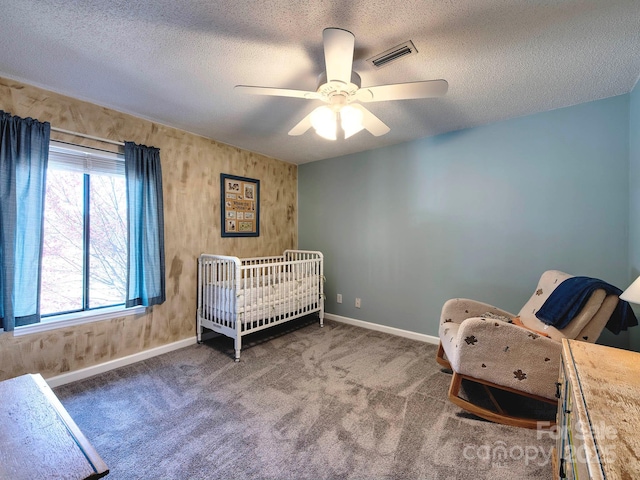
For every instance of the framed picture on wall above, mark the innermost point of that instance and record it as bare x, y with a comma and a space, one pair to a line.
240, 206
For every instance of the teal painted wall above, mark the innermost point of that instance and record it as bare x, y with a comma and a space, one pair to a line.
477, 213
634, 200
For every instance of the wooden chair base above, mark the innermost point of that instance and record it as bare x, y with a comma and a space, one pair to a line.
500, 415
440, 358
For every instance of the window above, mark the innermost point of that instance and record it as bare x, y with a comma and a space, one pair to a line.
85, 231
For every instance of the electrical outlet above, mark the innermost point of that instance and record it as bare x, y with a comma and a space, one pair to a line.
339, 298
358, 303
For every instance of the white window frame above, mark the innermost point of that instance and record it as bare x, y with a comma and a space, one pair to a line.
94, 161
78, 318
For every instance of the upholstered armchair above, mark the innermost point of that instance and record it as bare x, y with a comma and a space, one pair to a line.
519, 354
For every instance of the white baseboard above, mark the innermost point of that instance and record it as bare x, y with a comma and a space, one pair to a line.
117, 363
421, 337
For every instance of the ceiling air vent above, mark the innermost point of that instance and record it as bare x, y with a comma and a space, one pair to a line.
399, 51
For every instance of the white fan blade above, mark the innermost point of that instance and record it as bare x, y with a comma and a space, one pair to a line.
278, 92
403, 91
338, 54
302, 126
372, 123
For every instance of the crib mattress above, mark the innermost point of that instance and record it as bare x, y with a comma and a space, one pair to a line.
265, 299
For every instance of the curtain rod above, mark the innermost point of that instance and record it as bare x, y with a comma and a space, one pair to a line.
90, 137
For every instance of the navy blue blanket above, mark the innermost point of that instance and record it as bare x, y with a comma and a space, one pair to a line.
570, 296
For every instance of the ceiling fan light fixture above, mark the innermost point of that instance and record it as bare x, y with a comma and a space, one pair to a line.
324, 121
350, 120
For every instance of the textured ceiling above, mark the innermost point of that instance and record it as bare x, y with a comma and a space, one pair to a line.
176, 62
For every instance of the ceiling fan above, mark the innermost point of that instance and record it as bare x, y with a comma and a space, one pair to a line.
339, 87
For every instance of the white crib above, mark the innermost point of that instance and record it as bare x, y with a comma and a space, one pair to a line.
238, 296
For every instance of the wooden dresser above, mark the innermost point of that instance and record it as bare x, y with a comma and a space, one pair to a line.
598, 413
38, 438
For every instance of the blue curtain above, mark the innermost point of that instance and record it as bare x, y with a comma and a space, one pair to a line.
145, 226
24, 153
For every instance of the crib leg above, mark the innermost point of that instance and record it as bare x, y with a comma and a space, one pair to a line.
238, 345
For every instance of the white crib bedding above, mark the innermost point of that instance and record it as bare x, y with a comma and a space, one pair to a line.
262, 311
267, 297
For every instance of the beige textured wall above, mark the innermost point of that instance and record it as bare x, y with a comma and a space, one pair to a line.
191, 167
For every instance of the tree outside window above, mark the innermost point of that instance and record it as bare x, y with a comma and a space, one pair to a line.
85, 250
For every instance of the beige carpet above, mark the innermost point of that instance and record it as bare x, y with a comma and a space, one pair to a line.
305, 402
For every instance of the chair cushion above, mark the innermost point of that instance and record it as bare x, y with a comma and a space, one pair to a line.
507, 355
594, 328
547, 284
457, 310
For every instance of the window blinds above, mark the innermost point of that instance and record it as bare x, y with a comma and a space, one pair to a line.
74, 158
